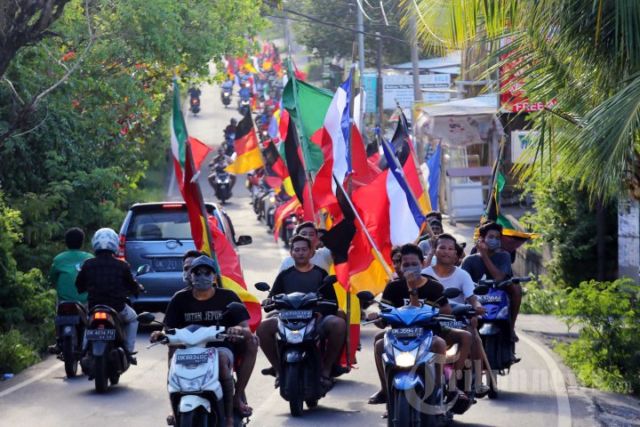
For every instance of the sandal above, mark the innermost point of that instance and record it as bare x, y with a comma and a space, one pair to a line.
377, 398
243, 409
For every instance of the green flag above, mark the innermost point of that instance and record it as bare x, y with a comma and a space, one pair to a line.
307, 105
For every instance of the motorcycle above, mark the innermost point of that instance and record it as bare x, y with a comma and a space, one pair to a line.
495, 326
298, 345
70, 321
195, 105
194, 386
288, 228
105, 357
229, 144
409, 365
225, 96
221, 182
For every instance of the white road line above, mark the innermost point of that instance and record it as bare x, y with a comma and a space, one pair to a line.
30, 380
557, 379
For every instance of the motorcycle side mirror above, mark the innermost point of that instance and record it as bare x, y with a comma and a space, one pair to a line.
452, 293
237, 310
244, 240
262, 286
481, 290
145, 317
365, 296
143, 269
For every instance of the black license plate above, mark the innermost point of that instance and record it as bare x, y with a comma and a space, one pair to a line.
67, 320
167, 264
296, 314
407, 332
101, 334
192, 359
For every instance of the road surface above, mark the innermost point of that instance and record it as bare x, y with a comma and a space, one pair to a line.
531, 395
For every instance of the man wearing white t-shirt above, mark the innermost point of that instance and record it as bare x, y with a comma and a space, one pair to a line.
322, 256
451, 276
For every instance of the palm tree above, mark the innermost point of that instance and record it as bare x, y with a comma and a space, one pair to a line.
583, 53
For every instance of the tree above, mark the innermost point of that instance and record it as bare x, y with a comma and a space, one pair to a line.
586, 55
25, 22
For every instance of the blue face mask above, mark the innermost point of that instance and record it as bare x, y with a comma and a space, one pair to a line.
493, 244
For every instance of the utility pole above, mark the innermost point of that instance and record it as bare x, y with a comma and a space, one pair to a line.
287, 36
360, 29
379, 94
417, 90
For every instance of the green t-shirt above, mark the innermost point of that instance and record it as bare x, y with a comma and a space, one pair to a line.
64, 270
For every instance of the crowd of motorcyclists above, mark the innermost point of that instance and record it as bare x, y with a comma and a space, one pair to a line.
424, 274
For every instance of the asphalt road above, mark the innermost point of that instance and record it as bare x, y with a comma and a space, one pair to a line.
531, 395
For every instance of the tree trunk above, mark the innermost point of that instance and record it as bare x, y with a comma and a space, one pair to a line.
629, 238
601, 233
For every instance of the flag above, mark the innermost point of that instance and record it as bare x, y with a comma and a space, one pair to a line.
246, 147
276, 175
297, 171
200, 151
282, 211
405, 216
433, 166
307, 106
183, 162
231, 273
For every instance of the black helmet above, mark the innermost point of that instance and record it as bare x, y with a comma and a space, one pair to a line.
234, 122
204, 261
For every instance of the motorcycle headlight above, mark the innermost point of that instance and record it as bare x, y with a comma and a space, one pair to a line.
226, 94
272, 199
405, 359
295, 336
190, 385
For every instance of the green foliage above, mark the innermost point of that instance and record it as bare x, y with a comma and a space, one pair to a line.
567, 222
15, 352
606, 354
540, 299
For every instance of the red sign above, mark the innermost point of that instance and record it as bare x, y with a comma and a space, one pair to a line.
512, 95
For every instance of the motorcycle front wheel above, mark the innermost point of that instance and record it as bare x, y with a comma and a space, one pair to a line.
295, 390
403, 413
70, 360
195, 418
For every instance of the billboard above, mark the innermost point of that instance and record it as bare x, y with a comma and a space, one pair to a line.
398, 88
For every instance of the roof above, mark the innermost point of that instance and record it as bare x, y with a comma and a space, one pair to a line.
451, 62
485, 104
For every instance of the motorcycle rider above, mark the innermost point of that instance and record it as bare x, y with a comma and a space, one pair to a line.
451, 276
65, 268
412, 289
108, 281
230, 129
304, 276
320, 256
203, 304
492, 262
220, 161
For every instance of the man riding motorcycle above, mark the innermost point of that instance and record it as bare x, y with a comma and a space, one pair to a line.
304, 276
108, 281
203, 304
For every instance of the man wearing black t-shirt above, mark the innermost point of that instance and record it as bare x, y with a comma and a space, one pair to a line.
413, 289
204, 304
305, 277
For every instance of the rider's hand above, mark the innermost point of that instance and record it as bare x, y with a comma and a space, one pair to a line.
236, 333
482, 247
156, 336
480, 310
373, 316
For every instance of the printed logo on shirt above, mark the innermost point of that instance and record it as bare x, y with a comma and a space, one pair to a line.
200, 316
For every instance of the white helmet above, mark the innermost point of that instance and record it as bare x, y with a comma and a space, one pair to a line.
105, 239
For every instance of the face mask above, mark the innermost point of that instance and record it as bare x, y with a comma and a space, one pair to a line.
203, 282
493, 244
412, 272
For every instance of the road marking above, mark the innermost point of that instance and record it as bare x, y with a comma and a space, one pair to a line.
557, 379
30, 380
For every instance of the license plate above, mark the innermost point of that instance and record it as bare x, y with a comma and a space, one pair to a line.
296, 314
454, 324
192, 359
67, 320
407, 332
101, 334
167, 264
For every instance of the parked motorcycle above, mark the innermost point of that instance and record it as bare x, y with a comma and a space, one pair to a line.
409, 364
299, 345
71, 321
106, 358
495, 326
194, 386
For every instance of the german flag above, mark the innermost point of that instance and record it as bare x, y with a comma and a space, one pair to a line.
246, 147
287, 208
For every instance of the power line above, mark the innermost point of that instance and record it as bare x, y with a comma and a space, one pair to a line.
310, 18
